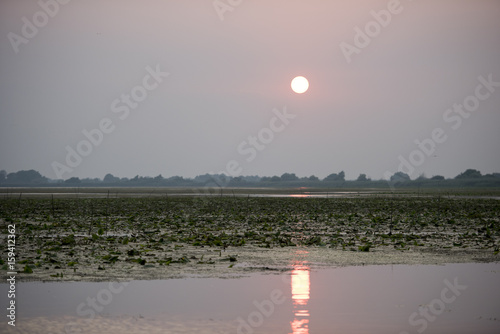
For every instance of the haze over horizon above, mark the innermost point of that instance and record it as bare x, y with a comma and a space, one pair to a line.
188, 88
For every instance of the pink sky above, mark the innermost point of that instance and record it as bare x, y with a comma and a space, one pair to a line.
227, 76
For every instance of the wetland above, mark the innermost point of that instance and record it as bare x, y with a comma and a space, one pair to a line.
133, 237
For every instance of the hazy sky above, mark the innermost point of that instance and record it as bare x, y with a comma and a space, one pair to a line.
88, 66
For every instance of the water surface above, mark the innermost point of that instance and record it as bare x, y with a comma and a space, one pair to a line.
455, 298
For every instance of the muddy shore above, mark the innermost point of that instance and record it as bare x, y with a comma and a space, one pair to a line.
117, 239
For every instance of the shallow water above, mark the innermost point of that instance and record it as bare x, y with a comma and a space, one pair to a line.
455, 298
228, 193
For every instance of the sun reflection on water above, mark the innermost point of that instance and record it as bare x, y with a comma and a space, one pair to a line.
300, 296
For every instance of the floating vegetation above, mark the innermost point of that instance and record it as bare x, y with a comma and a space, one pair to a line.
365, 248
105, 232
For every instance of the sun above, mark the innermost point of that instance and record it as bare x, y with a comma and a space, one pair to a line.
300, 85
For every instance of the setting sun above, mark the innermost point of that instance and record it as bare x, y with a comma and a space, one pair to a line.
300, 85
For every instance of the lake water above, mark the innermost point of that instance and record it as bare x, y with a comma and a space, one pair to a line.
455, 298
197, 192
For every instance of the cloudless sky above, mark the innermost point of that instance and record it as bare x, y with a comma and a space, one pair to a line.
227, 76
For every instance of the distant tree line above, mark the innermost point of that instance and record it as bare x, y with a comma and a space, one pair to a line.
470, 177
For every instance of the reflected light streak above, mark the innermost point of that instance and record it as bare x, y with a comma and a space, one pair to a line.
300, 296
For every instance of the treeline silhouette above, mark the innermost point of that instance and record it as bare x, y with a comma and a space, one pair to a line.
469, 178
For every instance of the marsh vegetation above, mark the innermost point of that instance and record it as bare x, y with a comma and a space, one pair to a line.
97, 238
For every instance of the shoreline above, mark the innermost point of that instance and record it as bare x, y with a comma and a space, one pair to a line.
260, 261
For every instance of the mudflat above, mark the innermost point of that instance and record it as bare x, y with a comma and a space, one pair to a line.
107, 238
